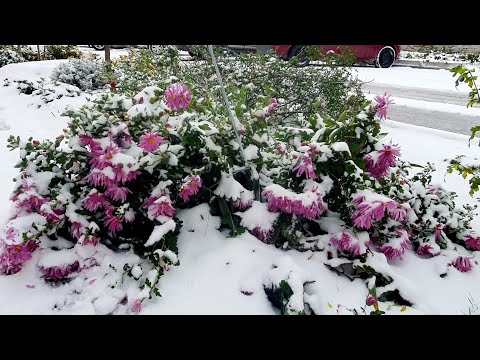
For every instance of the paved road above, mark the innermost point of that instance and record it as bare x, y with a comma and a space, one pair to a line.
429, 118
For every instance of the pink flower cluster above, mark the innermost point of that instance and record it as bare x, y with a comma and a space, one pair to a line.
382, 105
368, 212
305, 167
59, 272
395, 248
345, 242
309, 204
378, 162
462, 264
13, 257
177, 96
472, 241
190, 187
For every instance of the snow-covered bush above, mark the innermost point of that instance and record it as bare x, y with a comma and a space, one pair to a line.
9, 56
82, 73
310, 181
44, 89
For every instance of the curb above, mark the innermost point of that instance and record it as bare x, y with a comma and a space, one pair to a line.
427, 64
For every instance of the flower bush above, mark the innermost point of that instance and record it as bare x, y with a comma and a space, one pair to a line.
126, 165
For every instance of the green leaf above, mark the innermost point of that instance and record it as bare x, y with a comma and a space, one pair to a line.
205, 127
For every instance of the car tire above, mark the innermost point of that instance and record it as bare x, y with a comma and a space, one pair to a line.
99, 47
155, 48
385, 57
298, 52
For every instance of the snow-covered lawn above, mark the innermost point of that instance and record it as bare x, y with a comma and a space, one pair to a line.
221, 275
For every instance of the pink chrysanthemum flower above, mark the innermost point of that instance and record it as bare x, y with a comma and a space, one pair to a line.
190, 187
113, 223
438, 232
346, 242
117, 193
305, 167
150, 141
242, 205
177, 96
13, 257
262, 234
76, 229
136, 306
102, 158
382, 105
161, 207
129, 216
123, 174
100, 178
395, 248
94, 201
59, 272
272, 105
426, 250
462, 263
472, 241
89, 239
378, 162
293, 205
370, 300
398, 214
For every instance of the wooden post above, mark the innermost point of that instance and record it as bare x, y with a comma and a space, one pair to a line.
107, 53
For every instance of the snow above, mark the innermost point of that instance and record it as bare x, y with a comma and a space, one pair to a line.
159, 232
216, 271
258, 216
418, 78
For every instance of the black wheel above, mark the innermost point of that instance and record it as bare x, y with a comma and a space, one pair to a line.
155, 48
385, 57
98, 47
298, 51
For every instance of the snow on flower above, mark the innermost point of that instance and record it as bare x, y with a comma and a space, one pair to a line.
426, 250
382, 104
59, 272
378, 162
136, 306
190, 187
345, 242
305, 167
177, 96
150, 141
462, 264
372, 207
231, 189
161, 207
258, 220
308, 204
395, 246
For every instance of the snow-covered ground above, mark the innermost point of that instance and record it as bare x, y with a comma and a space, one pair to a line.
221, 275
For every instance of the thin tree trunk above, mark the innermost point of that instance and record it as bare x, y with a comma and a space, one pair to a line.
107, 53
38, 52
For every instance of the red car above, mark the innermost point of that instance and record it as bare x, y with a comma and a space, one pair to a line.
381, 55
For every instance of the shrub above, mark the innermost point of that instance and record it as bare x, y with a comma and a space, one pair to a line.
9, 56
82, 73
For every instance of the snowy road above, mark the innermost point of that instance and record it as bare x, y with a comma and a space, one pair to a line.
441, 106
